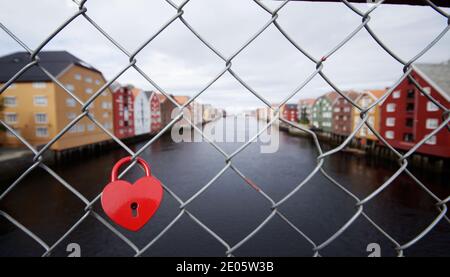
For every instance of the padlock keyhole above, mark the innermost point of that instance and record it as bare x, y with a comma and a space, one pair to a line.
134, 207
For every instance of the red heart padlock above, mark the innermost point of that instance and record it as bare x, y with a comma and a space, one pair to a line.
132, 205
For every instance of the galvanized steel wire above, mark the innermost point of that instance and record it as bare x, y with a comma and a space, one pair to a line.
273, 206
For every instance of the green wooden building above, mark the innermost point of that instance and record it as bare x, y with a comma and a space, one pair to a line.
322, 113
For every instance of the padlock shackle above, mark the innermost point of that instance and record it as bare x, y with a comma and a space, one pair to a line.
141, 162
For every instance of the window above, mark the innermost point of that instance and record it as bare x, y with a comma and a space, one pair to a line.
390, 121
70, 87
11, 135
88, 79
71, 116
41, 132
10, 101
12, 86
431, 107
11, 118
41, 118
70, 102
107, 125
91, 127
77, 76
408, 137
105, 115
39, 85
389, 134
345, 118
347, 109
396, 94
410, 107
363, 131
390, 108
106, 105
427, 90
431, 141
409, 122
40, 101
78, 128
336, 110
88, 90
365, 102
97, 82
411, 93
432, 123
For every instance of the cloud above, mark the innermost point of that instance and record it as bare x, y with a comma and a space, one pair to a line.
178, 62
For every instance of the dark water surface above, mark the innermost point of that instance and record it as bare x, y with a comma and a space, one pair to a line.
230, 207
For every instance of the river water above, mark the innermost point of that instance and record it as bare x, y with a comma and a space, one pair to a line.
230, 207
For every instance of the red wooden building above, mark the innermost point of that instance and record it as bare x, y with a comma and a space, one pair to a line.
407, 115
155, 111
290, 112
123, 111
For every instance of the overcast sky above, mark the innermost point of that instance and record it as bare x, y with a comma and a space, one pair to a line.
182, 65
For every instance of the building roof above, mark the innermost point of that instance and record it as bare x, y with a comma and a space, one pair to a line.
353, 95
438, 75
377, 93
331, 96
135, 91
291, 106
115, 86
308, 101
54, 62
162, 97
181, 99
148, 93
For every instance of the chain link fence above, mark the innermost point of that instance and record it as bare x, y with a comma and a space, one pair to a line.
273, 206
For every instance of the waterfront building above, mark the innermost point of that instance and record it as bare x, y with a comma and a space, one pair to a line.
123, 111
155, 111
290, 112
322, 113
38, 109
167, 107
305, 110
408, 115
343, 114
187, 112
365, 136
142, 112
155, 107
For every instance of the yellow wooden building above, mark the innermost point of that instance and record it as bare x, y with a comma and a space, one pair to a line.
38, 109
367, 98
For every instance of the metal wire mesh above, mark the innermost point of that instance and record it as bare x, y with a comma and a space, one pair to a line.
441, 204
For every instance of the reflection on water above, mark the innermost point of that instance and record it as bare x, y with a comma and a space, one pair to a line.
230, 207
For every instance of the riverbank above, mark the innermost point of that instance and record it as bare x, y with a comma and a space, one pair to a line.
429, 163
14, 161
